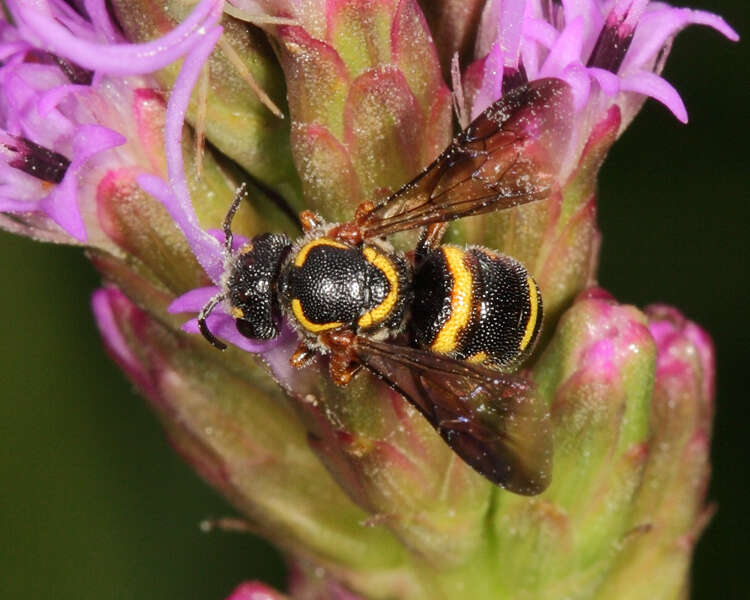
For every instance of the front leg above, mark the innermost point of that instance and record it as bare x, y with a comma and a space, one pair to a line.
309, 220
343, 364
351, 232
302, 356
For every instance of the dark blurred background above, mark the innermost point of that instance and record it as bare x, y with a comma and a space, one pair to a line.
94, 503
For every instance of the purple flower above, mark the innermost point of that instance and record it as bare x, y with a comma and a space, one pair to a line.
609, 52
48, 136
65, 105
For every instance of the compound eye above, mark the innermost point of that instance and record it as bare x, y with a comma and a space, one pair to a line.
261, 330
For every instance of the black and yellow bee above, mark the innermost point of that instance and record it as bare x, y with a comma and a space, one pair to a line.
443, 325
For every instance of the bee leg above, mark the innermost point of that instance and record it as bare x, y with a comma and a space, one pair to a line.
349, 233
430, 239
344, 363
302, 356
342, 368
364, 209
309, 220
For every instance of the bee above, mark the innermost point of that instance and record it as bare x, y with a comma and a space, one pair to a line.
445, 325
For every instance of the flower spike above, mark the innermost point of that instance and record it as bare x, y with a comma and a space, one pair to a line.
129, 125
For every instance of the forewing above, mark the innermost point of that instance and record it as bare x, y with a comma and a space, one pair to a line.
492, 420
508, 156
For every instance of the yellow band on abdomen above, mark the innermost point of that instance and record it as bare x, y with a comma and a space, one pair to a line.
533, 314
461, 300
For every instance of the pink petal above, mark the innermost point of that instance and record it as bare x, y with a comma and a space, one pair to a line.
510, 30
97, 12
194, 300
50, 99
492, 81
608, 82
658, 88
116, 59
62, 203
540, 31
223, 327
176, 200
566, 49
657, 26
588, 10
580, 84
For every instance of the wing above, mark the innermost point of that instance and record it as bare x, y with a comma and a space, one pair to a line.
506, 157
491, 420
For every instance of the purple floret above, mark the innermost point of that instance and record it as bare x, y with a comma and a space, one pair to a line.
41, 175
55, 63
176, 196
617, 53
96, 46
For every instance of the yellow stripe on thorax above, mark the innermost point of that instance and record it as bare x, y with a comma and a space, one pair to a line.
307, 324
301, 257
533, 314
383, 310
461, 298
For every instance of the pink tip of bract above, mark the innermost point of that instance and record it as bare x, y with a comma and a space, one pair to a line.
678, 341
595, 293
599, 358
253, 590
110, 305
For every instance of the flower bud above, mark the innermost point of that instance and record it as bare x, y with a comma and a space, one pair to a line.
669, 512
364, 122
597, 375
254, 452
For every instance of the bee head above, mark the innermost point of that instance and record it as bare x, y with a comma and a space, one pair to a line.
250, 289
251, 286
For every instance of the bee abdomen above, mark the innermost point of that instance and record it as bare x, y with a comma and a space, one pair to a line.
477, 305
